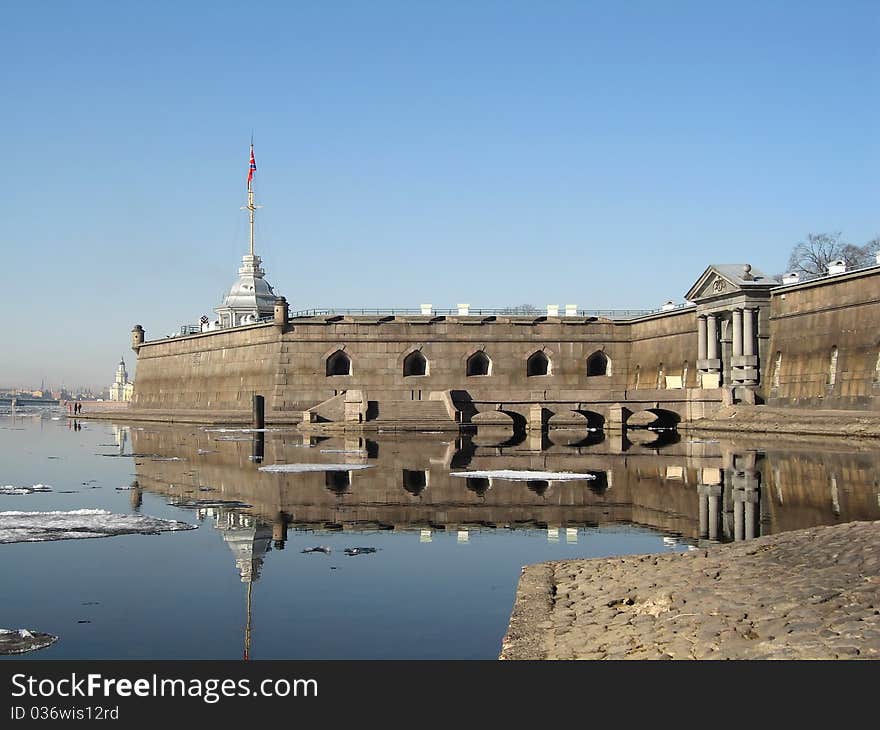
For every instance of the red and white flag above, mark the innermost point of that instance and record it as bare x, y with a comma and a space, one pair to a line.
252, 169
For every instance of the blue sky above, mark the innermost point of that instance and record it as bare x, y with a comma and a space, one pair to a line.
495, 153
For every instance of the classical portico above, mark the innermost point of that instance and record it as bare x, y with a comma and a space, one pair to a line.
733, 303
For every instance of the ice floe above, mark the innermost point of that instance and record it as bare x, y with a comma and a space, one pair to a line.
18, 641
81, 523
313, 467
518, 475
9, 489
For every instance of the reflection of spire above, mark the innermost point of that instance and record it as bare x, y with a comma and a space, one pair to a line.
247, 626
248, 540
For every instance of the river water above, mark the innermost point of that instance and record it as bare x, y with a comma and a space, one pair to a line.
443, 552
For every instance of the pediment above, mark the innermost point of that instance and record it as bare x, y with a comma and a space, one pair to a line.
712, 284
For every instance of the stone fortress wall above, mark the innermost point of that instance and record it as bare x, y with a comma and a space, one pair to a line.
532, 371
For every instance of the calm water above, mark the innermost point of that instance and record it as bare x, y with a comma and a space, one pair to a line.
449, 550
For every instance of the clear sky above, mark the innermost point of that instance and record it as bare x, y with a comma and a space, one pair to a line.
496, 153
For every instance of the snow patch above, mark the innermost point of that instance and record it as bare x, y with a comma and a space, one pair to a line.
9, 489
517, 475
313, 467
18, 526
19, 641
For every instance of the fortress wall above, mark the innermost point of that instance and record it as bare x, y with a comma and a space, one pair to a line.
668, 340
217, 371
378, 351
806, 322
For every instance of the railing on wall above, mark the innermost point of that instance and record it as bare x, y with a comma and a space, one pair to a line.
483, 312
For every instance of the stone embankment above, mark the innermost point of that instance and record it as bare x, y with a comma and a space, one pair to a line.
806, 594
801, 421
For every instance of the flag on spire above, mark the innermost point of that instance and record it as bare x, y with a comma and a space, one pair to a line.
253, 167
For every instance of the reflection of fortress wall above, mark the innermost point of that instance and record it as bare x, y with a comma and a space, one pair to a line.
806, 322
379, 497
662, 491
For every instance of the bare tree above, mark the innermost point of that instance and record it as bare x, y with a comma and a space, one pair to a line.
811, 257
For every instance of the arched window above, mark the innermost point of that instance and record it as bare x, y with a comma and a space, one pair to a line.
339, 363
877, 369
478, 364
638, 377
661, 383
777, 369
832, 367
415, 364
538, 364
598, 364
684, 374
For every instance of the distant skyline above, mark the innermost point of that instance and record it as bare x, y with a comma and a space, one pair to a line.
496, 153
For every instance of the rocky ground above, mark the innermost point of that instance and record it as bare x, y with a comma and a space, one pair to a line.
806, 594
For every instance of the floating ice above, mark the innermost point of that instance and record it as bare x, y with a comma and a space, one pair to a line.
314, 467
9, 489
359, 452
517, 475
206, 451
18, 641
80, 523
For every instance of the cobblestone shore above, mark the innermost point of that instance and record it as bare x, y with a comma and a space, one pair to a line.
806, 594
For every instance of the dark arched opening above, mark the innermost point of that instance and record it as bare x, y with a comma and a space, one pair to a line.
538, 364
339, 363
597, 364
415, 364
478, 364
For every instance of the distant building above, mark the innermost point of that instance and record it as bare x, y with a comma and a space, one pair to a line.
122, 387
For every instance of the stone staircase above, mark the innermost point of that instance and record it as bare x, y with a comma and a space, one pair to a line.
410, 415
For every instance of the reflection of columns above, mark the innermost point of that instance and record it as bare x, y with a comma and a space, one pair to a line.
701, 337
737, 332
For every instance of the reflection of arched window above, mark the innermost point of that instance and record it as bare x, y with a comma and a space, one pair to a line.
339, 364
660, 380
598, 364
337, 482
877, 369
538, 364
684, 374
415, 481
638, 377
538, 486
415, 364
478, 364
832, 367
478, 485
777, 369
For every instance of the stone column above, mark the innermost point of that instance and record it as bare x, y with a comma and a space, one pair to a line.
737, 332
701, 337
749, 342
712, 337
748, 334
